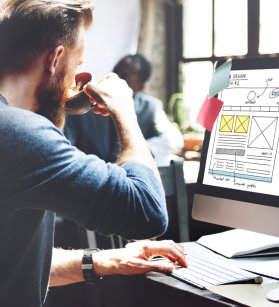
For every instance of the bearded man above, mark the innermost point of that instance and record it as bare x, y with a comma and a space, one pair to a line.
41, 174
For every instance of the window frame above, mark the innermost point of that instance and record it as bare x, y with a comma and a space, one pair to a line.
175, 42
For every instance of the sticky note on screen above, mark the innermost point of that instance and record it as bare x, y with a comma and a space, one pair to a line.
220, 78
209, 112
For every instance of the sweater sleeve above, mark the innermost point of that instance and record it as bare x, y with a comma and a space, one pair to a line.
45, 172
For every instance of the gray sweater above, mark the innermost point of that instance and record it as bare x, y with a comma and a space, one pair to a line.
42, 174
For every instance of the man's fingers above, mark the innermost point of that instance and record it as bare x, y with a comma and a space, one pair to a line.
92, 90
162, 266
179, 248
172, 254
140, 266
100, 110
166, 248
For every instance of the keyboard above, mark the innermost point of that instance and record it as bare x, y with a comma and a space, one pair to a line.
205, 272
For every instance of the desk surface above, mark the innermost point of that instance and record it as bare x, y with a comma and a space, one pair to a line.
157, 289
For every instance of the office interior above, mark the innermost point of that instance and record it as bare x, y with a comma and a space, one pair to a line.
182, 39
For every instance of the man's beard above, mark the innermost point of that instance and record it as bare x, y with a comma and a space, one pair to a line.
51, 100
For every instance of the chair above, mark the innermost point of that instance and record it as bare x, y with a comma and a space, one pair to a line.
176, 196
175, 189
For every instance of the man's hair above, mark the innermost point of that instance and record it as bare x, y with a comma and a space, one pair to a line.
145, 67
144, 72
29, 27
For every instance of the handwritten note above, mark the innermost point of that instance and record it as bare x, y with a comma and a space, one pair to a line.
209, 112
220, 78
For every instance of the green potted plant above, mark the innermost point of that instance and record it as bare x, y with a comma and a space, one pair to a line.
178, 114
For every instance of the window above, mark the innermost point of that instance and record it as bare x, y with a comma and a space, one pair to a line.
220, 29
268, 26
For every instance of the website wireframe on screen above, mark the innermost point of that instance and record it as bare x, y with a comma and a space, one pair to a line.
243, 148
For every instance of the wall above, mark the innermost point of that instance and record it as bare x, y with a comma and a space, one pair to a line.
119, 29
114, 34
152, 44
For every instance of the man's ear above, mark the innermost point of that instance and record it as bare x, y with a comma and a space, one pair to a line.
54, 58
140, 86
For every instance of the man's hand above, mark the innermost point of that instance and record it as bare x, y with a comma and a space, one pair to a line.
136, 258
111, 94
113, 97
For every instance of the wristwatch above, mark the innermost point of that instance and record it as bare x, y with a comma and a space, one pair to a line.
88, 272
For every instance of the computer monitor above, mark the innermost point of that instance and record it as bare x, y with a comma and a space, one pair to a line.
238, 182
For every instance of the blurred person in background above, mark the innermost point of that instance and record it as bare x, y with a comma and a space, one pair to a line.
95, 134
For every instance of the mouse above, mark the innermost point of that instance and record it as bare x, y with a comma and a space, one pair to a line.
273, 295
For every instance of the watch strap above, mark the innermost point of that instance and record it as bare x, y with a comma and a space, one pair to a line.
88, 271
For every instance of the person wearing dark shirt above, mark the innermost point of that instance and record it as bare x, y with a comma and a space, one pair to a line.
95, 134
41, 174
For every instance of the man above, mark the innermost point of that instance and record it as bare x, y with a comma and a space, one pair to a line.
42, 43
95, 134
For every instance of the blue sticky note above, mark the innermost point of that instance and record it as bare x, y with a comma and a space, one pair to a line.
220, 78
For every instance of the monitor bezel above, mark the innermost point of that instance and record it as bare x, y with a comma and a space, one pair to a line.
231, 207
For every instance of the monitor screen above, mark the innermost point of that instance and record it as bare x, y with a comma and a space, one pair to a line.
238, 183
